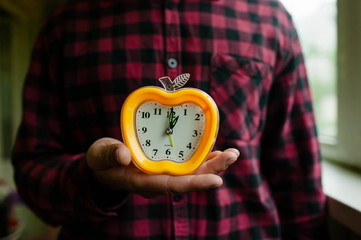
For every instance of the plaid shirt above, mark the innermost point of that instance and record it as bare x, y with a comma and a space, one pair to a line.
91, 54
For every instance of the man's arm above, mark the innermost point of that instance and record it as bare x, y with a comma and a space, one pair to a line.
290, 150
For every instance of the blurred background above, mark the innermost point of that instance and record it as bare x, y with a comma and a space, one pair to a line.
330, 33
20, 21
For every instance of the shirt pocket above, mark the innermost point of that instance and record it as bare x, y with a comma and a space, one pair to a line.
240, 87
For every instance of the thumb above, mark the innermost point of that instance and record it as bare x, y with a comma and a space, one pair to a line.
116, 155
107, 152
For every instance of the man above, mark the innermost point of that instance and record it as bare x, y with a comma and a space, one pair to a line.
73, 170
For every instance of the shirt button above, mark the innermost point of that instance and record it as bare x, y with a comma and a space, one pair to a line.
172, 63
177, 197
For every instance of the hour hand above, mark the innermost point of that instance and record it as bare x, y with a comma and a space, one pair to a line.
172, 121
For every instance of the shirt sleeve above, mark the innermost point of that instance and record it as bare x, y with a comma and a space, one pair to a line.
52, 179
290, 151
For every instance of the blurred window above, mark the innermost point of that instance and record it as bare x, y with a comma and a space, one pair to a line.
330, 35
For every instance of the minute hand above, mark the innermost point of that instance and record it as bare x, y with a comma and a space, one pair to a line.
172, 121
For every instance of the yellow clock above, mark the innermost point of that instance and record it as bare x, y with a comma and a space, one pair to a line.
170, 130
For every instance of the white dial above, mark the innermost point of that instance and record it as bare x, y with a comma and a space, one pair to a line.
170, 133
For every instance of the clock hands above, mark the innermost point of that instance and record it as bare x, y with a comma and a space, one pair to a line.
172, 122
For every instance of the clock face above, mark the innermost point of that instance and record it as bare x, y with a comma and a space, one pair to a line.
170, 133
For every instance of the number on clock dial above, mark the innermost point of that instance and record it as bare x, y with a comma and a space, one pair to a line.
152, 121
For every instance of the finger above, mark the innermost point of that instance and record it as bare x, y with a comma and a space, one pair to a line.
133, 180
154, 185
191, 183
218, 163
235, 151
213, 155
217, 152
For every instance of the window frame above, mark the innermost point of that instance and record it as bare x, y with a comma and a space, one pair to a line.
346, 148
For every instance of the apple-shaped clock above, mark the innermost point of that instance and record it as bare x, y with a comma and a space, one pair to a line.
169, 130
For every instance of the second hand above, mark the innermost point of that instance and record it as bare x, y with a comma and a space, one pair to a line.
169, 132
171, 139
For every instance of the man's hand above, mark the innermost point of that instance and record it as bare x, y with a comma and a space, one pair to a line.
111, 163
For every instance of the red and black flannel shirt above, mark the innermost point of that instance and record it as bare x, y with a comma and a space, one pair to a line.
91, 54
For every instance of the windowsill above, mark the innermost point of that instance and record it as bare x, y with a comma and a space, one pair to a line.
342, 185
